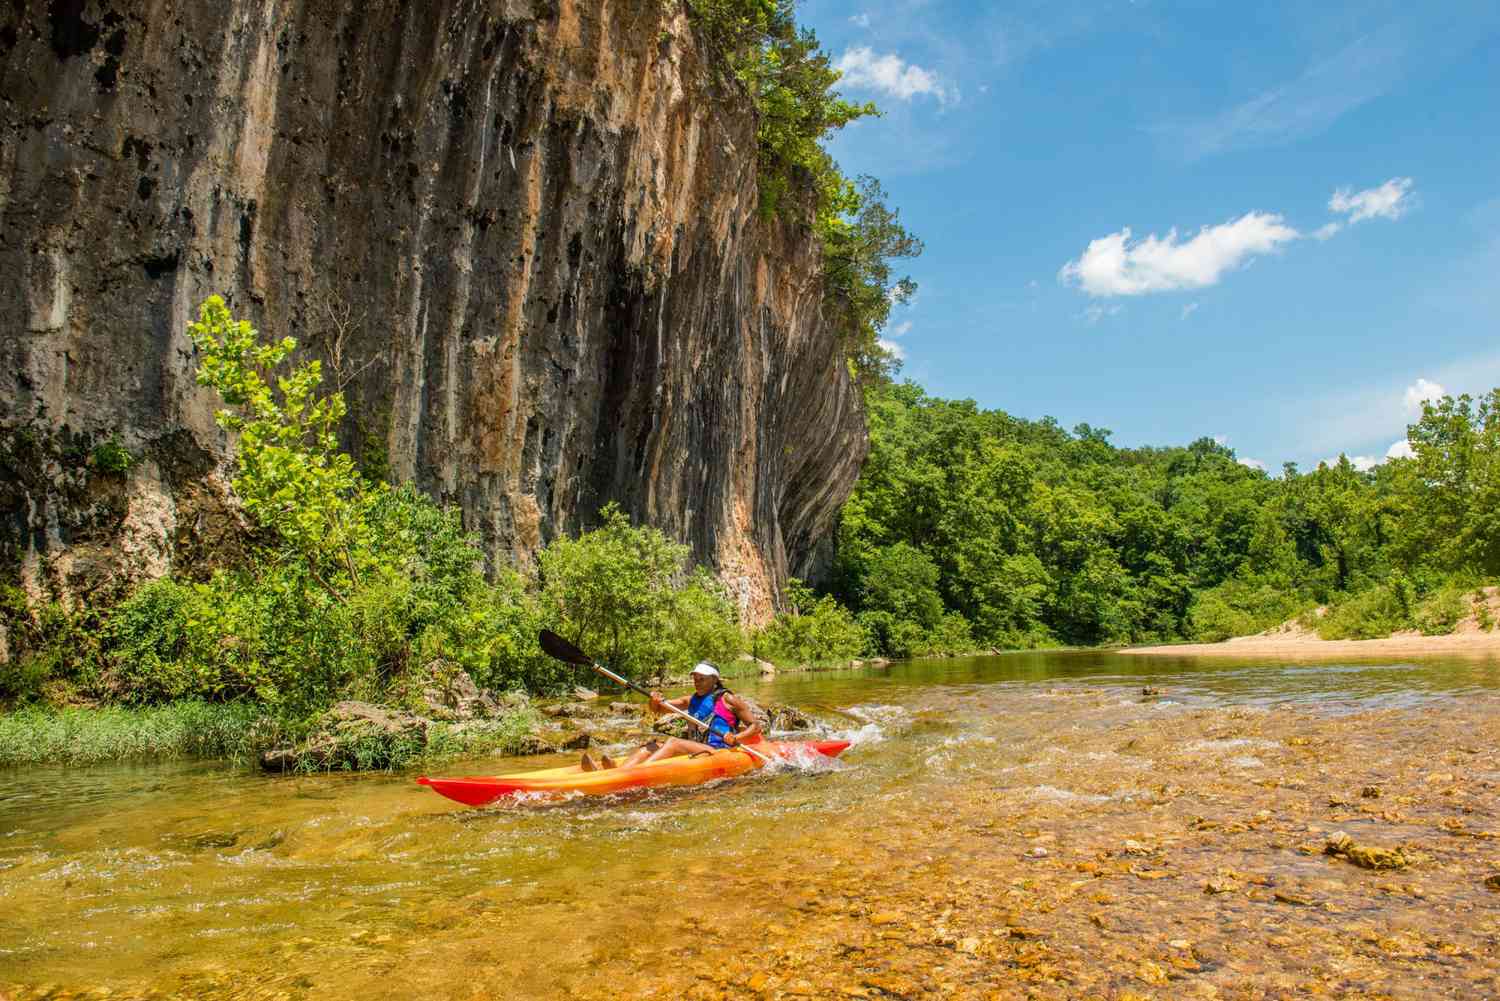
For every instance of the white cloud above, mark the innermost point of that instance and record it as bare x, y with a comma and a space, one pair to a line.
1112, 265
893, 348
860, 20
1094, 313
899, 330
1420, 391
890, 74
1221, 439
1400, 450
1367, 417
1389, 201
1189, 310
1363, 463
1253, 464
1327, 230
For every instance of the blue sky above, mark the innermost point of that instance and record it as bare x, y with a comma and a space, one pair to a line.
1276, 224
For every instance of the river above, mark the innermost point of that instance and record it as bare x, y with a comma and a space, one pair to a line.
1045, 825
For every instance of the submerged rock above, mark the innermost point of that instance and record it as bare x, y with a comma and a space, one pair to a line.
784, 717
1341, 845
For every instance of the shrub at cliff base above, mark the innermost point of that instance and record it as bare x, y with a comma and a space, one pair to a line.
812, 630
625, 595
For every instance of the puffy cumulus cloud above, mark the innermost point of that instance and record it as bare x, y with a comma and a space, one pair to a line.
1253, 464
893, 348
1363, 463
1421, 391
1400, 450
860, 20
889, 74
1389, 201
1327, 230
1114, 265
899, 330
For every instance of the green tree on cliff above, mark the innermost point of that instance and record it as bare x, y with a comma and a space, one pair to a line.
792, 85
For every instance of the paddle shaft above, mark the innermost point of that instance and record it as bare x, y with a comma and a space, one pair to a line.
612, 676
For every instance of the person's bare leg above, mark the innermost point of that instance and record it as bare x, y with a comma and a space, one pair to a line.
587, 763
605, 761
676, 746
637, 757
640, 754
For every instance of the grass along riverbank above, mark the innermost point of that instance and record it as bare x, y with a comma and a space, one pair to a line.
237, 732
86, 736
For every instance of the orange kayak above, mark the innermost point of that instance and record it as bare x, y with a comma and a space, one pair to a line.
686, 769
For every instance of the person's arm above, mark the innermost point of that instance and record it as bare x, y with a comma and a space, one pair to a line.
745, 716
659, 704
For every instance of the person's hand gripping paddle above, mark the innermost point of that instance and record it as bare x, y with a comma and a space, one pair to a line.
556, 646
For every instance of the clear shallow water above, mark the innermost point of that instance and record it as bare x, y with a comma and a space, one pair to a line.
204, 879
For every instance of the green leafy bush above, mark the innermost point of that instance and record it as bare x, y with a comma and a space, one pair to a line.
1438, 614
813, 629
1370, 614
900, 638
112, 457
1481, 605
612, 592
704, 623
624, 593
1241, 606
52, 649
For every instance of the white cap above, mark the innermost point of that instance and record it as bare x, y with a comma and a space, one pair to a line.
704, 667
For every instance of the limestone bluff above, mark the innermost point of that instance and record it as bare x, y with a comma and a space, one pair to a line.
522, 237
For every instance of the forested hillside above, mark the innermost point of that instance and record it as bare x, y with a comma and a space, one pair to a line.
970, 526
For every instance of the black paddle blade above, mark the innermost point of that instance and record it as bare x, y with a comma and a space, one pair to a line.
556, 646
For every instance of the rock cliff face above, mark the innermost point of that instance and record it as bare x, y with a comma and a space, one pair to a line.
522, 237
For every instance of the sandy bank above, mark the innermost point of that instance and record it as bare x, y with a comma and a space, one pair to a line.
1297, 639
1479, 644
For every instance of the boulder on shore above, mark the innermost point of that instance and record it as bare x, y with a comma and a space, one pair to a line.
452, 696
358, 736
352, 735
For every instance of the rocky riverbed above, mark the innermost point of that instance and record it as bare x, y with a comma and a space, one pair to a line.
1260, 854
1255, 832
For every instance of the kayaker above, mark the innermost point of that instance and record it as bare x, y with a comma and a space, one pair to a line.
729, 720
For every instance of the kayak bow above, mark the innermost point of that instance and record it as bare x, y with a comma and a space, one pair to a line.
685, 769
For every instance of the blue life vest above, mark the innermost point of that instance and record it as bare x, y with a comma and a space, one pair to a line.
721, 719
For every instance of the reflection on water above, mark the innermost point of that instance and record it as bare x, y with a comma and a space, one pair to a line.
206, 880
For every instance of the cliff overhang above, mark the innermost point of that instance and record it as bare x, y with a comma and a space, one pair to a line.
522, 237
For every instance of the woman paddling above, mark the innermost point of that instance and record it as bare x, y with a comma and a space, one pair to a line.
729, 720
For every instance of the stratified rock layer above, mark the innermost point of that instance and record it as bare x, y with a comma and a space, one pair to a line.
523, 238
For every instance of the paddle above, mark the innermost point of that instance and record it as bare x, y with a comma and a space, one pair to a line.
556, 646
